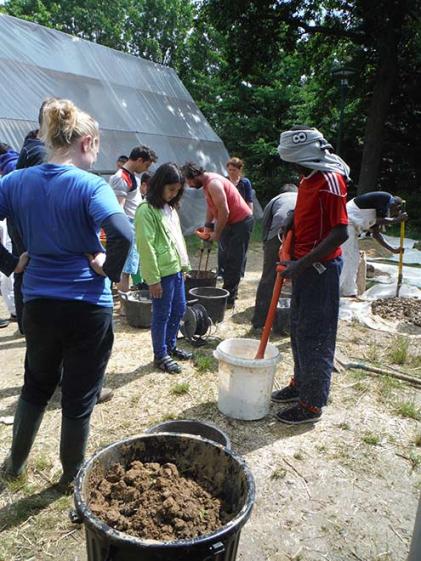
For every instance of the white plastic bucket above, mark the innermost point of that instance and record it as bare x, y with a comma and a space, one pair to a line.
245, 383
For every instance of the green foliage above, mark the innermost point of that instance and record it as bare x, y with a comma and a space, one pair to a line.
409, 410
180, 389
371, 438
399, 351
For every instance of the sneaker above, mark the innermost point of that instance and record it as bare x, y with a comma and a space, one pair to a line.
298, 415
105, 395
4, 323
289, 394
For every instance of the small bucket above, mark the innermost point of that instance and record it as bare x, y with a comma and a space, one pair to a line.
245, 383
213, 299
198, 428
199, 278
138, 306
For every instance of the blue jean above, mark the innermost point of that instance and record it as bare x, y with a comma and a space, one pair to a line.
314, 324
167, 313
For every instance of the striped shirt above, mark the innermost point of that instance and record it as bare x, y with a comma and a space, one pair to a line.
321, 205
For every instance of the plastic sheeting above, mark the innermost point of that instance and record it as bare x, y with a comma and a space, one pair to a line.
134, 100
360, 309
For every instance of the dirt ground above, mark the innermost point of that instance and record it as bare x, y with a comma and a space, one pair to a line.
345, 489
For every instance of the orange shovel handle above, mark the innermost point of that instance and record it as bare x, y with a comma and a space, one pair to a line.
284, 255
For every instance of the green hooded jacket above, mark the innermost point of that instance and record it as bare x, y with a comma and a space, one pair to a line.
157, 250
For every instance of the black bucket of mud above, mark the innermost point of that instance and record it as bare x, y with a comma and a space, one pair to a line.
199, 428
138, 307
213, 299
231, 480
197, 278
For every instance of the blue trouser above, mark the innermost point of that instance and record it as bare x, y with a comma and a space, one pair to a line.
167, 312
314, 323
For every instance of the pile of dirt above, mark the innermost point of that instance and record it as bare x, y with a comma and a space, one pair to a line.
153, 501
403, 309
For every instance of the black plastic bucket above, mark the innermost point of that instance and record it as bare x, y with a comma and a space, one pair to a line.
138, 307
213, 299
228, 472
199, 278
281, 325
189, 426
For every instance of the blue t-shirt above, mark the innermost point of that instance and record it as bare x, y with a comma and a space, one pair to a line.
58, 210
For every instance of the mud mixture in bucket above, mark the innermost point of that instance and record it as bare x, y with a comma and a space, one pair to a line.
153, 501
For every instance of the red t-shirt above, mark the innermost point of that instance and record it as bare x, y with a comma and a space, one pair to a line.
321, 205
238, 208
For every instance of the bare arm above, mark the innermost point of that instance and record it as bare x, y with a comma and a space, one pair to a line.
250, 205
219, 199
380, 239
402, 217
336, 237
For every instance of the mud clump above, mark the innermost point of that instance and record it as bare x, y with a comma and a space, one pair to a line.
153, 501
402, 309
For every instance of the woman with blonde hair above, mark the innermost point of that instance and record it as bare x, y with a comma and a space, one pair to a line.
59, 209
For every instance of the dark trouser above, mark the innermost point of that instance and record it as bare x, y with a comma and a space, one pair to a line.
234, 243
69, 339
167, 313
267, 281
314, 323
17, 290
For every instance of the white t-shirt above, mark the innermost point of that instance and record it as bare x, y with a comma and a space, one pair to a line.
127, 185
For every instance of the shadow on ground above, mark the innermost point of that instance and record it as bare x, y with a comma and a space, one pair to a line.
246, 436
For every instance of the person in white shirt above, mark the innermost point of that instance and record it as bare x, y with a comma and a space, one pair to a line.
126, 186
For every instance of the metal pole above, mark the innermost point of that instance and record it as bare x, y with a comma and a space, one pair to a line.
344, 91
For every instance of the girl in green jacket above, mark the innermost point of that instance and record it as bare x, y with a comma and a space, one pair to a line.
163, 258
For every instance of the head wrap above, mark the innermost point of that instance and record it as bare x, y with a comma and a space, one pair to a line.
309, 149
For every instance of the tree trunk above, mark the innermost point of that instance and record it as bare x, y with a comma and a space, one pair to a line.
380, 101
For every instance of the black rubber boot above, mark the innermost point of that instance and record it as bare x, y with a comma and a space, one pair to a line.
27, 420
74, 437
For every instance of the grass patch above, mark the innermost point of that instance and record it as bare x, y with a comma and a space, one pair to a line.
298, 455
373, 353
399, 351
344, 426
409, 410
180, 389
386, 386
42, 463
371, 438
167, 417
415, 459
205, 363
278, 473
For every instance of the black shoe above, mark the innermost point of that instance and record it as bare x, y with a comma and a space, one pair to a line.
13, 318
181, 354
4, 323
289, 394
297, 415
167, 364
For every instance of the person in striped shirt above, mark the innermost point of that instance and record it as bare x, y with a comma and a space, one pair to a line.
320, 227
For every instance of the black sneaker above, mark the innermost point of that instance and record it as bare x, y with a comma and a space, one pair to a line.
289, 394
297, 415
181, 354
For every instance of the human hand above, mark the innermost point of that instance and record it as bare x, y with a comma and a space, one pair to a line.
155, 290
403, 217
214, 237
22, 263
96, 262
292, 269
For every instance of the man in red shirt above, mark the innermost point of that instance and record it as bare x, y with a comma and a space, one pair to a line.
320, 227
228, 220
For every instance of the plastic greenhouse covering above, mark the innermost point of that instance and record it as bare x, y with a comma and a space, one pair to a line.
135, 101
